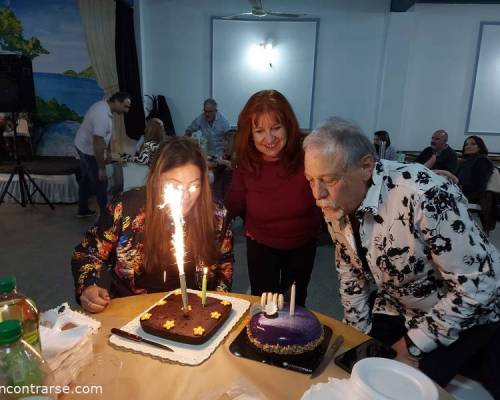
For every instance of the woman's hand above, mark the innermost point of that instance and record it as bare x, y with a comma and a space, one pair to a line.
94, 299
403, 355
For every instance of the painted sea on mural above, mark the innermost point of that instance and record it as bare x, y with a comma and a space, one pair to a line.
77, 93
50, 33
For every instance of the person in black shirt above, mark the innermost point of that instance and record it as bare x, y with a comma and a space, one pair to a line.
439, 155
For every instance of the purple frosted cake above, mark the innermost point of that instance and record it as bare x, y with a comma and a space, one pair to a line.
285, 334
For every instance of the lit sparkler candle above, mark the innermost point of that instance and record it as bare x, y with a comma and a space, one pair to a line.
172, 198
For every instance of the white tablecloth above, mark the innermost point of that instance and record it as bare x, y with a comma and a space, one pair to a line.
57, 188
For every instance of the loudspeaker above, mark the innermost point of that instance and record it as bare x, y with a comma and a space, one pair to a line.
17, 90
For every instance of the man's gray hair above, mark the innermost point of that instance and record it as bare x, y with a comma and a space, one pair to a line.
210, 101
337, 137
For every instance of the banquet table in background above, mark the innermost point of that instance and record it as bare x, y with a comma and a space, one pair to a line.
143, 377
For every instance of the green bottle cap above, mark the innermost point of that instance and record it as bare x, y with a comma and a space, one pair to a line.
10, 331
7, 284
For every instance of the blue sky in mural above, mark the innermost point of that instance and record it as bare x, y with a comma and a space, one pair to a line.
58, 26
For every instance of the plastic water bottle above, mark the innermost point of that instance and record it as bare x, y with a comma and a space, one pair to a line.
23, 372
15, 305
381, 149
201, 140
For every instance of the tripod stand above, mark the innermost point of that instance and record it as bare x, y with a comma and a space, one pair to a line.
23, 177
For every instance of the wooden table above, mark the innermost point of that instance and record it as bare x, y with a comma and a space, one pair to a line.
145, 378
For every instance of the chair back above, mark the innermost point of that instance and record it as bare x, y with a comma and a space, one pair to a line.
494, 182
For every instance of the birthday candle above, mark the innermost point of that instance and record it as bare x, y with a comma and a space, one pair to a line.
292, 300
204, 287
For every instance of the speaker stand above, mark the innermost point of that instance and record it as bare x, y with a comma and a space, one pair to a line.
23, 178
26, 195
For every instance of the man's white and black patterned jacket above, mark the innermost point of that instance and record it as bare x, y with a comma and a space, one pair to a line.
429, 260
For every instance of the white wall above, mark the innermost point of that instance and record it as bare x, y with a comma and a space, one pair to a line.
428, 74
291, 71
175, 47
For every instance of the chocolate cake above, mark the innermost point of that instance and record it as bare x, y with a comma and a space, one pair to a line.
282, 333
168, 320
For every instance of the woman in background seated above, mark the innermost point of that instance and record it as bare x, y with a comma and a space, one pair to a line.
270, 192
475, 169
131, 244
390, 152
473, 174
154, 135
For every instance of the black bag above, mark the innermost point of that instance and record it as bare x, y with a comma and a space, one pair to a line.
160, 110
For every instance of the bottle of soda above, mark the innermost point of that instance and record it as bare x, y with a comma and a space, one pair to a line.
23, 372
15, 305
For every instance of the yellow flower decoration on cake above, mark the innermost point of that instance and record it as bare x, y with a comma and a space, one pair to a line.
215, 315
225, 302
169, 324
198, 331
161, 303
198, 294
146, 316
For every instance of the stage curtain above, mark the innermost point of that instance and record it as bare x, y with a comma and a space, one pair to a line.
127, 67
98, 21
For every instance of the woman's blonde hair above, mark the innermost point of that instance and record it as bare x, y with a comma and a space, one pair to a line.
154, 131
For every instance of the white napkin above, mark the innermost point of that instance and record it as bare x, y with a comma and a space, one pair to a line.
66, 350
334, 389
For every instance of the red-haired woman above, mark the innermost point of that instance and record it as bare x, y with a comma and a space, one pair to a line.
133, 239
269, 191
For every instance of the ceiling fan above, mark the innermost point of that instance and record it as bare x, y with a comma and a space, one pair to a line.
259, 12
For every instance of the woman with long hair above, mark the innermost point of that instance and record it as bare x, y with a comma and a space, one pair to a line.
154, 136
473, 174
269, 191
475, 169
389, 151
131, 243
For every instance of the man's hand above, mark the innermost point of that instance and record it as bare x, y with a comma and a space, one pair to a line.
431, 161
94, 299
223, 162
403, 355
102, 176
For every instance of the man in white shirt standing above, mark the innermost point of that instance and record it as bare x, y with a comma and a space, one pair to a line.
406, 232
91, 141
212, 125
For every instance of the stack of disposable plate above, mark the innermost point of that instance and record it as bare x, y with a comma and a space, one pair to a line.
376, 379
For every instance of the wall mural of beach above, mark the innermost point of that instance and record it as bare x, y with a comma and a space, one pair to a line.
51, 34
